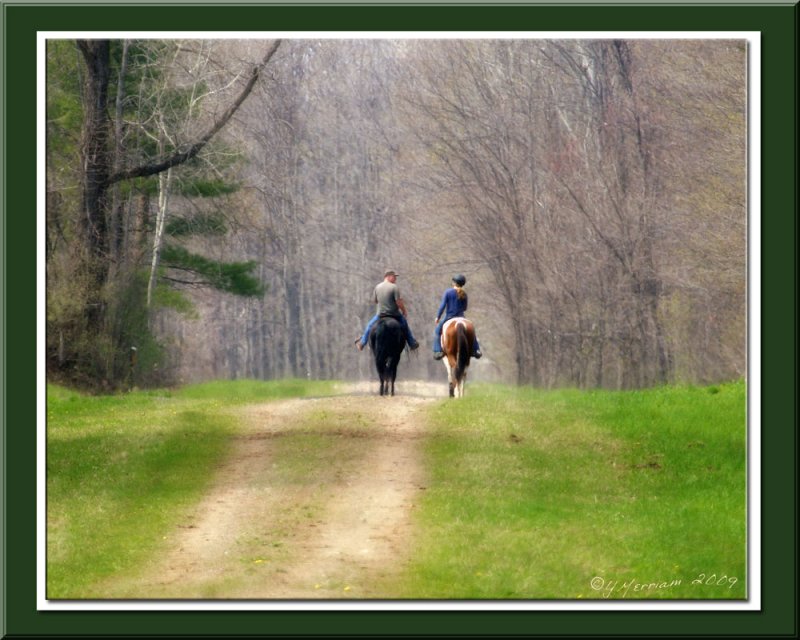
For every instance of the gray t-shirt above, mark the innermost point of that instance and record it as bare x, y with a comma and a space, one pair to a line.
386, 295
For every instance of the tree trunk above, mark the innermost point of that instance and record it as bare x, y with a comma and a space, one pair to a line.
164, 182
96, 163
117, 230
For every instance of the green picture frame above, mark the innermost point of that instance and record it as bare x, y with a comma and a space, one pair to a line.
775, 344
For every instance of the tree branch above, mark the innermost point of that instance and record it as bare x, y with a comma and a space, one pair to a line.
193, 150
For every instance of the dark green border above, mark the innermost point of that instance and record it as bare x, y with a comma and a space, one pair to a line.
778, 27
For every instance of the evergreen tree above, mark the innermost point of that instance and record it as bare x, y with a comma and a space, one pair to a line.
127, 138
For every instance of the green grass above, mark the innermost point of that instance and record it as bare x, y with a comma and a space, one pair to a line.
578, 495
121, 470
531, 494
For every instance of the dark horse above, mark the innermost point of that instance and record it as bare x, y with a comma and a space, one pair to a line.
387, 342
458, 338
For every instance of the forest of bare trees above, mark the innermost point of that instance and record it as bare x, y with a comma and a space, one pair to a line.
226, 209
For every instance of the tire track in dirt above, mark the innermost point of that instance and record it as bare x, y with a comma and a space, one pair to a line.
341, 533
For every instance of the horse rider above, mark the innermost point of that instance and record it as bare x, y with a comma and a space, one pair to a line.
454, 304
387, 296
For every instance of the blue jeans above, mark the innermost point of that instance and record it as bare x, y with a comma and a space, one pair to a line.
401, 319
437, 337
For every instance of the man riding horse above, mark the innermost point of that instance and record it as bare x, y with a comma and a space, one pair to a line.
390, 304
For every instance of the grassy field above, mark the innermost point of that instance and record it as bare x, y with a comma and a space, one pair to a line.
531, 494
122, 469
585, 495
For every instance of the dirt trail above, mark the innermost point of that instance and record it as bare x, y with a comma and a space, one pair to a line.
338, 527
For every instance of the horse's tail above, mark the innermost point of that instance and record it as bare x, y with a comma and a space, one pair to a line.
462, 361
380, 348
387, 335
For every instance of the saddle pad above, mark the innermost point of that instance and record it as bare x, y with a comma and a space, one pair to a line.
452, 320
447, 324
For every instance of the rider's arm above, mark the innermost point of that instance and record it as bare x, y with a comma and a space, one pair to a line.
402, 306
441, 308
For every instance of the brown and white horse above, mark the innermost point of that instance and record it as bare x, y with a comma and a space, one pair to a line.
458, 338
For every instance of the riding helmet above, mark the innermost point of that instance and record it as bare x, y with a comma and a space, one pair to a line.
460, 280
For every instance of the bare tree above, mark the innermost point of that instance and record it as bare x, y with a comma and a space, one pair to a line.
594, 191
557, 159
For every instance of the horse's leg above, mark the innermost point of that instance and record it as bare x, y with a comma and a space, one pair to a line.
392, 376
449, 369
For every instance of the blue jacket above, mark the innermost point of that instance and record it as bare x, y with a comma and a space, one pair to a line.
452, 306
